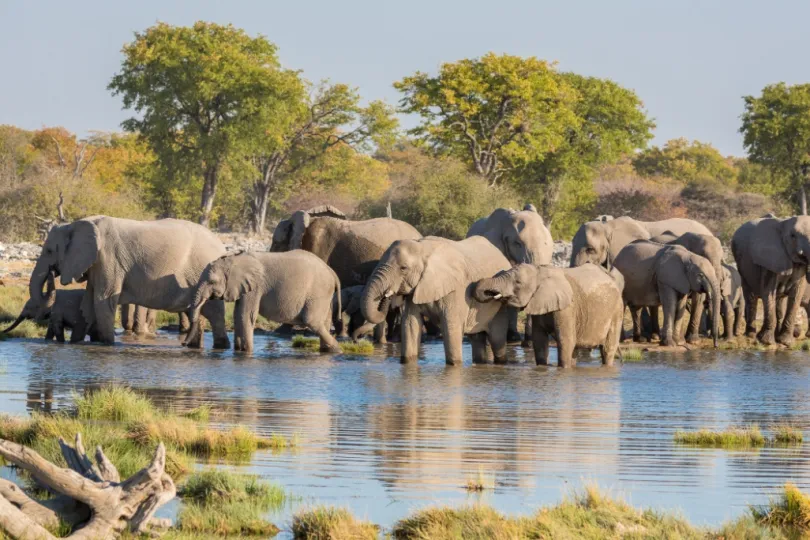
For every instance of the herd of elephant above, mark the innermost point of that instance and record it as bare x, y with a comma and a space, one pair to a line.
383, 274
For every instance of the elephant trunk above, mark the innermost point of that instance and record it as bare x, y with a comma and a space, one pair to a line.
201, 294
716, 297
16, 323
38, 277
489, 289
377, 296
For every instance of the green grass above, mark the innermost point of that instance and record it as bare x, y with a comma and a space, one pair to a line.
789, 512
307, 343
225, 503
115, 404
12, 299
362, 346
199, 414
330, 523
631, 355
787, 434
745, 436
801, 345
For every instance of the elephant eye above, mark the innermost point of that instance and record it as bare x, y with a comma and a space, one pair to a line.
403, 268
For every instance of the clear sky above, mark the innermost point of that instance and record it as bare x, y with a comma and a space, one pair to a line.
690, 61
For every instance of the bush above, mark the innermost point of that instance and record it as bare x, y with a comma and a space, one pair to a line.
438, 196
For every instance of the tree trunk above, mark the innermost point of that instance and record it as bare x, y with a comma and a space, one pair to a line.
258, 207
209, 192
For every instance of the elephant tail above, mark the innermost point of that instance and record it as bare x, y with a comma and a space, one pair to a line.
337, 308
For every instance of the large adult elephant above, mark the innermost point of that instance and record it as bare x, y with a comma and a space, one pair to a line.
601, 240
522, 237
436, 277
664, 275
155, 264
343, 244
772, 258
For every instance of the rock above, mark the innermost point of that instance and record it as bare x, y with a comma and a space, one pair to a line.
561, 257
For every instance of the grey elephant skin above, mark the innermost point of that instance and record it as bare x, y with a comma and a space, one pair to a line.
138, 320
600, 241
294, 287
772, 257
61, 309
436, 276
733, 309
155, 264
581, 307
664, 275
351, 300
343, 244
709, 247
522, 237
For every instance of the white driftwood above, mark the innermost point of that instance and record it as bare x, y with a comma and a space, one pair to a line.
91, 497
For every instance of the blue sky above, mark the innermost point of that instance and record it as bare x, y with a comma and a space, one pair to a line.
689, 61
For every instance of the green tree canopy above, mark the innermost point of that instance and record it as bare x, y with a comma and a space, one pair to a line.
200, 92
776, 133
686, 162
497, 113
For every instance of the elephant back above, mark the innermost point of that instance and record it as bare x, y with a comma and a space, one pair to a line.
483, 258
677, 226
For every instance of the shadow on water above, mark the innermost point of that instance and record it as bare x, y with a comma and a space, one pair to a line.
384, 438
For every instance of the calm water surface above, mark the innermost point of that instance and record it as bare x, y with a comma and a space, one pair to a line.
384, 438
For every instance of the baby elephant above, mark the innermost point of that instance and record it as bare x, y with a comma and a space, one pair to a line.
733, 307
294, 287
62, 309
581, 307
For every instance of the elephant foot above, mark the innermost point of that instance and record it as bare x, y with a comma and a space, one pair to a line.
527, 343
500, 361
786, 338
513, 337
797, 331
751, 333
692, 338
638, 339
807, 334
766, 337
222, 343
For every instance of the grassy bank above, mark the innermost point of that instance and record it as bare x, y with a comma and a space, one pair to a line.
128, 426
362, 346
739, 437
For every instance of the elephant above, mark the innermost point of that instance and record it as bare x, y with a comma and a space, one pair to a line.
658, 274
581, 307
600, 241
61, 309
138, 319
350, 298
709, 247
435, 275
295, 287
343, 244
154, 264
522, 237
772, 258
733, 307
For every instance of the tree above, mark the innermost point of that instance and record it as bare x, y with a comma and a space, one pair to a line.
200, 92
776, 133
686, 162
329, 117
497, 113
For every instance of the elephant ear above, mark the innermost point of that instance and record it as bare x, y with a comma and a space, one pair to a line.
444, 273
81, 250
245, 274
767, 249
725, 288
300, 222
326, 210
671, 269
553, 292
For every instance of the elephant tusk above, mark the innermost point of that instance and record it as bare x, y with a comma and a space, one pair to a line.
389, 294
801, 252
498, 296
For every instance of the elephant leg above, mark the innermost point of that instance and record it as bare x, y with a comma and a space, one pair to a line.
527, 332
140, 326
214, 311
767, 333
513, 336
565, 332
363, 330
611, 344
328, 341
379, 333
655, 324
739, 318
128, 317
807, 316
245, 314
105, 319
496, 335
669, 302
693, 332
151, 321
480, 353
453, 336
341, 328
635, 314
411, 332
750, 311
78, 332
59, 331
728, 318
539, 343
49, 333
785, 336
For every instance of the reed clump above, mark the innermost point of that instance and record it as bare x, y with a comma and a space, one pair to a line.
328, 522
745, 436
